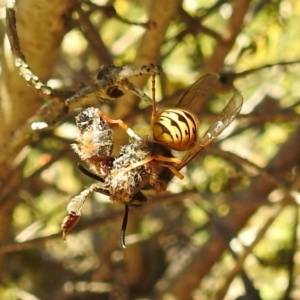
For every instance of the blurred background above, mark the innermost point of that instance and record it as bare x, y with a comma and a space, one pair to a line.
229, 229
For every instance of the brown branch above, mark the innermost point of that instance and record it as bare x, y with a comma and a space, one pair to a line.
233, 29
275, 212
292, 262
110, 12
228, 77
93, 38
195, 26
99, 221
221, 293
41, 48
248, 164
244, 205
161, 12
18, 102
13, 183
52, 113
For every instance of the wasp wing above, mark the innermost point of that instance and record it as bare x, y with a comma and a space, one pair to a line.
197, 94
228, 114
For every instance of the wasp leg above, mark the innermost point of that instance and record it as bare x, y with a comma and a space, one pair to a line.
124, 226
122, 124
137, 164
174, 160
172, 169
163, 162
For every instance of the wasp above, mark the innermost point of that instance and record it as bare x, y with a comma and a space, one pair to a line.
178, 128
149, 161
120, 177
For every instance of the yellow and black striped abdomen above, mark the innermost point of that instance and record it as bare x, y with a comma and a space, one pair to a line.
176, 128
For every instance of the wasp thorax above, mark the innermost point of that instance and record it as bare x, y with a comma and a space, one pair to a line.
176, 128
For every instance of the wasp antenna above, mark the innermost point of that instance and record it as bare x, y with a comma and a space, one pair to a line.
153, 88
154, 106
124, 226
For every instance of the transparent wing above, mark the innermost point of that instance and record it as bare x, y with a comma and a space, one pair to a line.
197, 94
228, 114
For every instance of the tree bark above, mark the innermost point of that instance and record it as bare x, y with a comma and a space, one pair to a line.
41, 26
